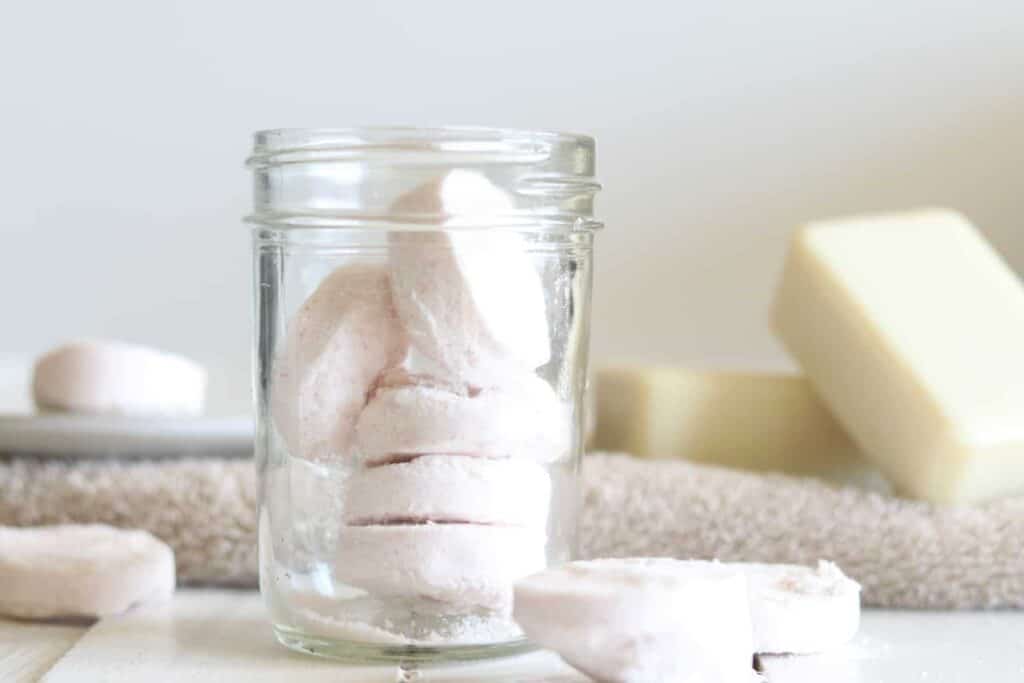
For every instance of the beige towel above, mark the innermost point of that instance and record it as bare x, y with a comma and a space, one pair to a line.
905, 553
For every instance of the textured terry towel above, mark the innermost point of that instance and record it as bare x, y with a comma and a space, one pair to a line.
904, 553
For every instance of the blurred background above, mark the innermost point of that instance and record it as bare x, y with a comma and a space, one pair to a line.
720, 127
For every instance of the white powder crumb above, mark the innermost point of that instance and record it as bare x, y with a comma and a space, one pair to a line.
466, 630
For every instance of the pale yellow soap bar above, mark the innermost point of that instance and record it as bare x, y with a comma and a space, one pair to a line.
757, 421
911, 328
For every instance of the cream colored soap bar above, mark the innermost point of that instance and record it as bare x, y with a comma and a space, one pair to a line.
758, 421
911, 328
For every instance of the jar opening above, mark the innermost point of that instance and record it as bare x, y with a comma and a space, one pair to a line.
352, 177
410, 144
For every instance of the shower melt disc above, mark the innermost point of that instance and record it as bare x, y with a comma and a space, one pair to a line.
450, 488
642, 620
74, 570
336, 346
115, 378
523, 419
470, 299
472, 565
801, 610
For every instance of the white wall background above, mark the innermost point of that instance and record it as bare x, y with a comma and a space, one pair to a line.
720, 126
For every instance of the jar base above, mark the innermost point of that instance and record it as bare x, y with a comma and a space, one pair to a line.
352, 652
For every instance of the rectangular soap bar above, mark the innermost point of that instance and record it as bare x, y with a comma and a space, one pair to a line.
757, 421
911, 328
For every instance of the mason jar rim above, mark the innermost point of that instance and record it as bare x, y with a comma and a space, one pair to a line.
341, 177
297, 145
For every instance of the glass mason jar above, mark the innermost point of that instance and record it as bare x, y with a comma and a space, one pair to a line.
422, 302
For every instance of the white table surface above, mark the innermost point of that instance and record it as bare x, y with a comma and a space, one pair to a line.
214, 635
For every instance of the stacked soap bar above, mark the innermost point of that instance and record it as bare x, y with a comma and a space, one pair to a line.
421, 372
911, 328
757, 421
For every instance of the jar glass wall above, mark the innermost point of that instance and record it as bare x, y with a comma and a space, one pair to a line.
422, 303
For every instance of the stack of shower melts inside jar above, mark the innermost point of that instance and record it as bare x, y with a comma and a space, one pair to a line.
418, 378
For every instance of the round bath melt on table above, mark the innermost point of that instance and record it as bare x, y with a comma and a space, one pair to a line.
642, 620
90, 570
801, 610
